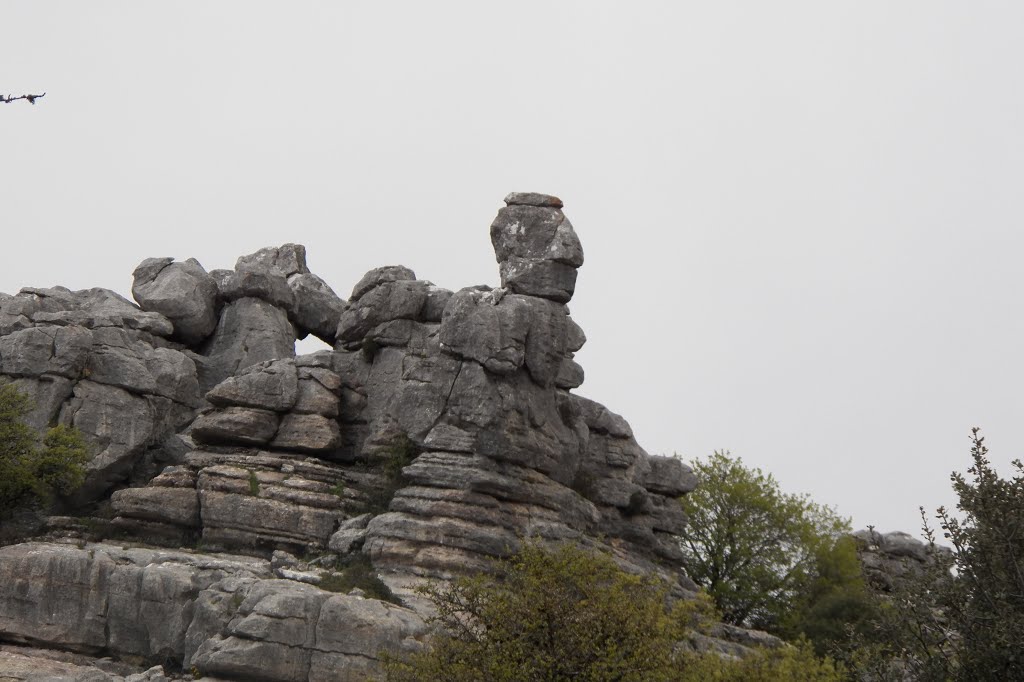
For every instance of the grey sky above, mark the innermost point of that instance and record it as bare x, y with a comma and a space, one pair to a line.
802, 221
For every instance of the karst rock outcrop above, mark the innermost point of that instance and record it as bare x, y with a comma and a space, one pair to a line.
440, 431
889, 558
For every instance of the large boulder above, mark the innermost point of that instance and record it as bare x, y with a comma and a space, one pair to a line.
250, 331
182, 291
537, 249
272, 385
279, 275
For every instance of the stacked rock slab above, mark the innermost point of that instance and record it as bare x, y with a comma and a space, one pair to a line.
439, 431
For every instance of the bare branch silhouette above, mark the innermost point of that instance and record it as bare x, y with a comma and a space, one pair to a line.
7, 99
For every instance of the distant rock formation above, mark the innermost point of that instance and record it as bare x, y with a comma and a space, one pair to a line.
888, 558
439, 431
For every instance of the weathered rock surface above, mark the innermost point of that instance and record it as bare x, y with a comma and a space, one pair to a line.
250, 331
538, 250
224, 615
183, 292
241, 425
272, 385
438, 432
888, 558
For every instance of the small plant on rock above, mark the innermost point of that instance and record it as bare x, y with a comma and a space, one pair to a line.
396, 457
356, 571
254, 484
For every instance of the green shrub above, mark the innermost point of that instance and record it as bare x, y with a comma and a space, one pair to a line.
786, 664
572, 614
33, 471
398, 455
254, 484
357, 571
561, 615
369, 348
961, 615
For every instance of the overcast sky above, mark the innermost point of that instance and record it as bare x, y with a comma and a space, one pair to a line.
802, 221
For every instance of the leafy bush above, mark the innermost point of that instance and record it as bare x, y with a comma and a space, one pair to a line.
398, 455
356, 571
566, 614
786, 664
570, 614
31, 472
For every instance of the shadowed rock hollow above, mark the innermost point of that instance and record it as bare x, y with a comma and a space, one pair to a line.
440, 430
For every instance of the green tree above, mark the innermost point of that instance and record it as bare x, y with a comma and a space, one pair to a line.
768, 559
985, 602
570, 614
33, 470
961, 615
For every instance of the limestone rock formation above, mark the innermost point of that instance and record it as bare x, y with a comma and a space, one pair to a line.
183, 292
228, 616
890, 557
439, 431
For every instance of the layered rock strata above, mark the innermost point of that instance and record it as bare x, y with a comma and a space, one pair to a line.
230, 617
438, 433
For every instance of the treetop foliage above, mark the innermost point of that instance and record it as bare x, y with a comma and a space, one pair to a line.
767, 558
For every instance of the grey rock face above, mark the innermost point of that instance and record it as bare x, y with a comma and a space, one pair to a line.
183, 292
466, 393
390, 300
318, 392
307, 433
486, 327
111, 585
532, 199
47, 393
351, 535
49, 350
250, 500
89, 308
266, 286
279, 275
317, 309
377, 276
890, 557
177, 506
283, 261
537, 250
668, 476
235, 425
224, 615
246, 402
272, 385
90, 358
121, 425
250, 331
292, 632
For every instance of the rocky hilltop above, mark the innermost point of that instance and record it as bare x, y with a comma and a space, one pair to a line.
232, 481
